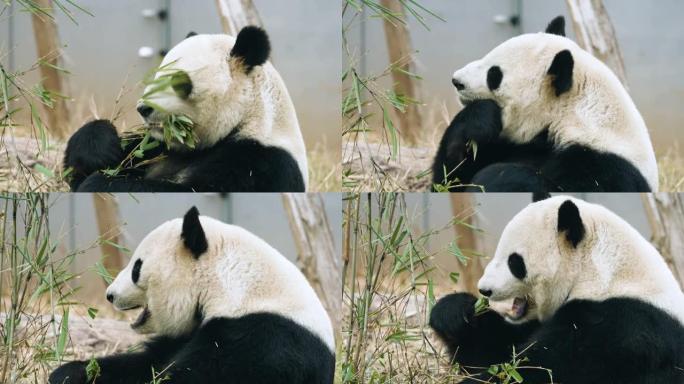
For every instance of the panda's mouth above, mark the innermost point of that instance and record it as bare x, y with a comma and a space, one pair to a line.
142, 318
465, 100
519, 309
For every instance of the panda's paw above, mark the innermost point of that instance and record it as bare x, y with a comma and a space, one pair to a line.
480, 121
453, 315
73, 372
94, 146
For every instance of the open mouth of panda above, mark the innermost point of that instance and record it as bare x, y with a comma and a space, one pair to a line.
519, 309
141, 319
514, 310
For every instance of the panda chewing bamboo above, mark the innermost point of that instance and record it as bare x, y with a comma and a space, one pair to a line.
246, 129
589, 301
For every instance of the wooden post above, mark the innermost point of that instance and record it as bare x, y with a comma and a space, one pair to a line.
237, 14
665, 212
401, 54
109, 227
462, 207
317, 256
48, 48
595, 33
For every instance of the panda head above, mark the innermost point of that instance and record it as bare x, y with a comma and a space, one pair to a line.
533, 268
212, 79
159, 278
526, 75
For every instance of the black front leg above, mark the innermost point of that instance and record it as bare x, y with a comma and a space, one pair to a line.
479, 124
124, 368
97, 146
476, 340
94, 146
98, 182
129, 368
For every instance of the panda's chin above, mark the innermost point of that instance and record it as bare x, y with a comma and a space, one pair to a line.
465, 101
139, 324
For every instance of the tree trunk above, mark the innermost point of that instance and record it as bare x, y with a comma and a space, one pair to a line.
467, 240
48, 49
317, 256
595, 33
665, 212
401, 55
109, 226
237, 14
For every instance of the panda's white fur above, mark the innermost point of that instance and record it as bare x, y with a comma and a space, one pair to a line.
612, 260
239, 274
597, 111
224, 96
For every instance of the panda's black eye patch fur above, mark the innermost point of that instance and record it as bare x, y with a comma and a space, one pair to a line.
181, 84
135, 275
517, 266
494, 77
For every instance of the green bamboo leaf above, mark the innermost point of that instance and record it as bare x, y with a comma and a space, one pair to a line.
63, 334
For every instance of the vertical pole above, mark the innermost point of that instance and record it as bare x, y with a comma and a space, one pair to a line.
400, 52
595, 33
48, 47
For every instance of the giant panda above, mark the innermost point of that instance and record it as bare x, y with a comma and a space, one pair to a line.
545, 116
248, 136
224, 307
587, 297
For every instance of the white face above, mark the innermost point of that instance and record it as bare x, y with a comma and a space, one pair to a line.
221, 91
531, 263
524, 91
160, 265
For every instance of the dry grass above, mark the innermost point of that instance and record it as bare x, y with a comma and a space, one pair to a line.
324, 169
671, 168
25, 167
368, 165
389, 290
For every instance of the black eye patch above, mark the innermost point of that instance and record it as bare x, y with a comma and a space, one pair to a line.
517, 266
181, 84
494, 77
135, 275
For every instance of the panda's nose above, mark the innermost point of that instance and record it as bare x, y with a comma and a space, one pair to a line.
459, 86
486, 292
144, 110
110, 297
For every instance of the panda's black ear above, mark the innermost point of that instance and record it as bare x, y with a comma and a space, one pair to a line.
561, 71
191, 34
252, 47
193, 234
570, 222
539, 196
556, 26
